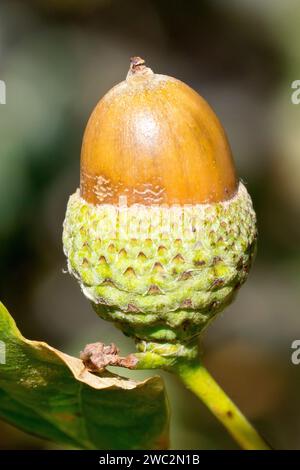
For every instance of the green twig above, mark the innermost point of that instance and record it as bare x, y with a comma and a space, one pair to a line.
201, 383
184, 361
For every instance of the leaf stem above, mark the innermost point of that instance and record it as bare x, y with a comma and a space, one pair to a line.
198, 380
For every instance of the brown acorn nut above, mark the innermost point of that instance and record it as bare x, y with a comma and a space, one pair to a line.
189, 234
154, 140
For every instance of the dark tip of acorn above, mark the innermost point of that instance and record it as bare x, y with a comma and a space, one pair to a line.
138, 69
136, 63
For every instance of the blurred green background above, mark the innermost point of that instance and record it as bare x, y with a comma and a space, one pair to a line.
58, 57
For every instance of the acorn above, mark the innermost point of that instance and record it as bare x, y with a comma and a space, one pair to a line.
161, 233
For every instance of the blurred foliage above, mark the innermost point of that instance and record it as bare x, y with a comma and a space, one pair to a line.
57, 59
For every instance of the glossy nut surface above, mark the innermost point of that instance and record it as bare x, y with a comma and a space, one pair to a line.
154, 140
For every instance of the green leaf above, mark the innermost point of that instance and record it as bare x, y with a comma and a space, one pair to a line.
50, 394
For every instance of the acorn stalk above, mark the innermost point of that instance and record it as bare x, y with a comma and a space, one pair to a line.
161, 234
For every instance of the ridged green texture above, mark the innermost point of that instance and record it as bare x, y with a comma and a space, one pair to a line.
160, 273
